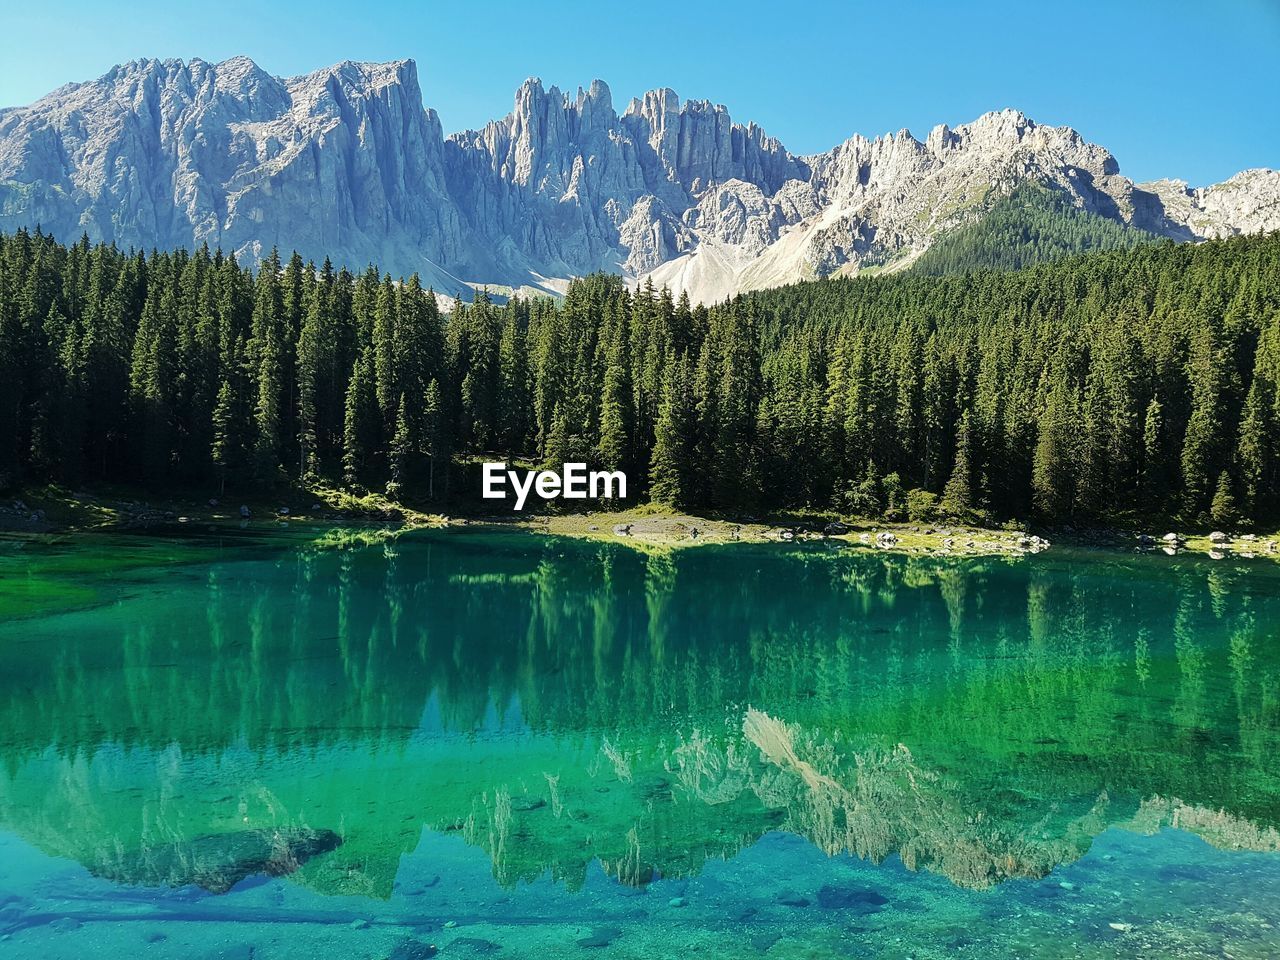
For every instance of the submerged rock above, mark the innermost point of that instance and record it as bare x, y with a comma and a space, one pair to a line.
413, 950
600, 937
850, 898
791, 899
218, 862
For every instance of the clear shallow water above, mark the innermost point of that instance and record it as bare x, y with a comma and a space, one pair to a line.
500, 745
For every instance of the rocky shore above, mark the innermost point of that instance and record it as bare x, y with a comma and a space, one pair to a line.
52, 511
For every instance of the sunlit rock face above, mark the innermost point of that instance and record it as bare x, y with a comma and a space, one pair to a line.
346, 162
166, 153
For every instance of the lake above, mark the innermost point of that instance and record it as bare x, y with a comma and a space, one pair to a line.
467, 743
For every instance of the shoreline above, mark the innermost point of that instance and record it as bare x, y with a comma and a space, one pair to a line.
648, 528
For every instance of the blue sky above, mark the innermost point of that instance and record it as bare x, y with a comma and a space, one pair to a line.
1171, 87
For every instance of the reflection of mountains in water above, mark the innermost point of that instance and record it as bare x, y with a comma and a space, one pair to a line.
983, 719
217, 862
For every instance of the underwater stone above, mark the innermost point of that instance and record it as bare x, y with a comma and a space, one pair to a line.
789, 899
413, 950
600, 937
850, 898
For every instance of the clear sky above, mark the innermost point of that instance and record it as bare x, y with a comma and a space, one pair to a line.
1180, 88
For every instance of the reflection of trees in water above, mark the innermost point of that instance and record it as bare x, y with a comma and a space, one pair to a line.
1035, 699
323, 645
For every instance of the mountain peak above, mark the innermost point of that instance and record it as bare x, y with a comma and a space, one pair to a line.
346, 161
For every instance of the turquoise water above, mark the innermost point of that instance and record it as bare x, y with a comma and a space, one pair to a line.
472, 743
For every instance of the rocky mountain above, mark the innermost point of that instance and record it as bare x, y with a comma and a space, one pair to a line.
347, 162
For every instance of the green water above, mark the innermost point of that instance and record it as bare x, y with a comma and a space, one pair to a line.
502, 745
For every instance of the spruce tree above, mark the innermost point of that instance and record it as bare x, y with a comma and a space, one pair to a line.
1155, 456
360, 425
437, 439
1055, 466
387, 383
1256, 448
957, 497
673, 447
1224, 510
402, 454
614, 448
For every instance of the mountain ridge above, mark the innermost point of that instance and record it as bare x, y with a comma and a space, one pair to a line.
348, 161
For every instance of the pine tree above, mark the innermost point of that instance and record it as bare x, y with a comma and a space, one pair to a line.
515, 402
1202, 444
673, 448
1257, 446
403, 451
866, 497
361, 419
316, 342
1155, 456
153, 377
418, 348
387, 383
1054, 469
957, 497
437, 439
266, 355
561, 443
614, 449
226, 452
11, 372
1224, 510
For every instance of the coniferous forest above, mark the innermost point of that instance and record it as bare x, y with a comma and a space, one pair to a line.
1031, 225
1108, 387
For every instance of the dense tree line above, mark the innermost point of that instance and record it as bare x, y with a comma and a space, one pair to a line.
1103, 387
1030, 226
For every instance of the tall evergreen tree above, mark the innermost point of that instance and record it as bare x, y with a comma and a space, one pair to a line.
673, 450
957, 496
